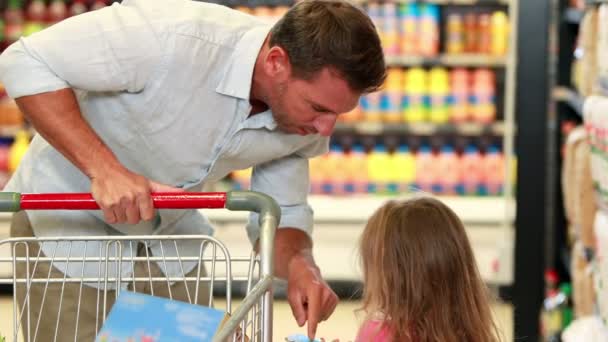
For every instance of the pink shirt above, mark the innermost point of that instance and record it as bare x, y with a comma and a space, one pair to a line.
371, 331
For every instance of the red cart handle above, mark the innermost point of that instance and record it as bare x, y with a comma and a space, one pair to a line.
11, 201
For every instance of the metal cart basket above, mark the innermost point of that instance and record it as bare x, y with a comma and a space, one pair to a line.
113, 263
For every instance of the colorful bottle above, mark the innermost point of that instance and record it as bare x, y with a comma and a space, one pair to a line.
390, 29
392, 96
483, 96
317, 174
484, 36
18, 149
98, 4
57, 11
242, 179
360, 175
35, 14
455, 40
494, 171
77, 7
471, 170
500, 33
429, 30
334, 171
370, 105
448, 165
378, 165
460, 87
403, 170
439, 92
409, 17
471, 33
415, 107
426, 175
374, 12
13, 20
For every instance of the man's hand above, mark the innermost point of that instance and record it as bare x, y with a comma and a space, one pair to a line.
310, 298
125, 196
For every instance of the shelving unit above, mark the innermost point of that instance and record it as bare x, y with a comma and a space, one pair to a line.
470, 129
464, 60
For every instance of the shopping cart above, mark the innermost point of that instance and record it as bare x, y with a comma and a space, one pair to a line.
110, 255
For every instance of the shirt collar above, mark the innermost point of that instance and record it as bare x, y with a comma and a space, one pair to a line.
239, 72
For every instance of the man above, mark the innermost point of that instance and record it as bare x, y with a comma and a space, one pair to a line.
149, 96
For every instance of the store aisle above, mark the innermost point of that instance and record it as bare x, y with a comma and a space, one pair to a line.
342, 325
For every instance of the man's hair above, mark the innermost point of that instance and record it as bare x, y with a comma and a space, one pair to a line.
332, 33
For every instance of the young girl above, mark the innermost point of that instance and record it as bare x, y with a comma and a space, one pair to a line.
421, 280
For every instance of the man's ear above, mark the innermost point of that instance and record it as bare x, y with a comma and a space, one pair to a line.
277, 63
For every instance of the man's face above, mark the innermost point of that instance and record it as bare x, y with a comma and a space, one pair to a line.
310, 107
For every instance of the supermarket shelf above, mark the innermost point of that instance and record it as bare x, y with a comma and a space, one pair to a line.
9, 131
422, 129
570, 97
488, 211
573, 15
596, 2
464, 60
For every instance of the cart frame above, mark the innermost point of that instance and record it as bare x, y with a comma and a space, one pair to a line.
258, 294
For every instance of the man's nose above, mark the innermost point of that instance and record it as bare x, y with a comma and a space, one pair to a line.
324, 124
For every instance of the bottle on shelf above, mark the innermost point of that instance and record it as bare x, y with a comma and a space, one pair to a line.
98, 4
13, 20
484, 35
455, 35
378, 166
429, 30
460, 87
34, 17
448, 169
360, 175
409, 28
426, 169
77, 7
415, 92
403, 169
392, 96
317, 174
18, 149
57, 11
390, 29
494, 171
471, 171
334, 171
370, 105
439, 92
471, 30
500, 33
483, 96
242, 179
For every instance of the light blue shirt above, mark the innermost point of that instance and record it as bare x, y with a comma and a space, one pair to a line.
165, 84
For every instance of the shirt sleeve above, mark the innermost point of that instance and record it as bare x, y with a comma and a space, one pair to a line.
112, 49
287, 181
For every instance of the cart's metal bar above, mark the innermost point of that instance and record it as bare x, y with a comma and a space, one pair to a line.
12, 202
239, 314
80, 297
111, 259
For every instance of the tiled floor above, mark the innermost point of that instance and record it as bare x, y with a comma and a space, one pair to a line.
342, 324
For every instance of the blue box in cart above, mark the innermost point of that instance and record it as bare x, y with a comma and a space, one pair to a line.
138, 317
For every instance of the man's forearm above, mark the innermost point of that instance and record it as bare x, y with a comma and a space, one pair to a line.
57, 117
293, 248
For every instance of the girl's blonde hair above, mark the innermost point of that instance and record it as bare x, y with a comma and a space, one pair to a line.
420, 275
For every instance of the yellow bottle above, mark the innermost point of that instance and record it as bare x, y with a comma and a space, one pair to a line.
500, 33
415, 91
18, 149
403, 169
439, 90
378, 169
